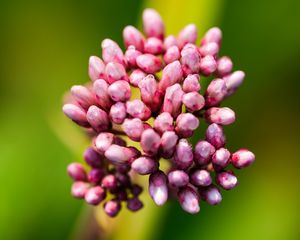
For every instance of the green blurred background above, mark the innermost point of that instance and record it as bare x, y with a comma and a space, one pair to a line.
44, 49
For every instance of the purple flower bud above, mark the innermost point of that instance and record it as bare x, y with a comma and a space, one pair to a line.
193, 101
103, 141
233, 81
92, 158
212, 195
121, 195
144, 165
136, 190
117, 112
222, 116
83, 96
209, 49
186, 123
76, 172
100, 88
187, 35
123, 179
136, 76
212, 35
119, 155
132, 36
130, 55
242, 158
114, 72
183, 156
150, 141
95, 195
224, 66
95, 175
201, 178
191, 83
149, 63
158, 188
79, 189
109, 182
215, 135
172, 73
203, 152
190, 59
170, 41
208, 65
133, 128
97, 118
227, 180
221, 157
172, 54
189, 200
111, 52
178, 178
134, 204
173, 100
153, 24
163, 122
96, 68
168, 143
154, 46
119, 91
112, 208
76, 114
215, 92
137, 109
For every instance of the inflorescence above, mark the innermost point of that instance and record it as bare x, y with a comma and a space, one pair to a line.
165, 113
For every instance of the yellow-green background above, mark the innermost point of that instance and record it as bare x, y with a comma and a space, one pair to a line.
44, 49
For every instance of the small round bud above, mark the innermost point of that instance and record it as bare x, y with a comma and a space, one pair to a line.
215, 135
191, 83
227, 180
187, 35
193, 101
178, 178
163, 122
222, 116
134, 204
149, 63
76, 172
117, 112
242, 158
95, 195
203, 152
186, 123
79, 189
158, 188
92, 158
189, 200
96, 68
114, 72
132, 36
221, 157
144, 165
183, 156
109, 182
212, 195
150, 141
112, 208
119, 91
201, 178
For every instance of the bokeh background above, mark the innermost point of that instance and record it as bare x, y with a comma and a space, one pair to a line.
44, 49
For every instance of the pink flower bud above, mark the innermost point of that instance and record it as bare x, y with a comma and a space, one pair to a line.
149, 63
211, 49
168, 143
132, 36
189, 200
79, 189
92, 158
134, 204
136, 76
154, 46
170, 41
96, 68
183, 156
203, 152
227, 180
215, 135
178, 178
222, 116
172, 73
76, 172
212, 195
111, 52
172, 54
187, 35
201, 178
115, 71
144, 165
193, 101
150, 141
173, 100
131, 55
224, 66
242, 158
208, 65
186, 123
212, 35
191, 83
215, 92
158, 188
133, 128
153, 24
137, 109
112, 208
119, 155
100, 88
76, 114
117, 112
103, 141
221, 157
233, 81
95, 195
109, 182
83, 96
97, 118
96, 175
119, 91
163, 122
190, 59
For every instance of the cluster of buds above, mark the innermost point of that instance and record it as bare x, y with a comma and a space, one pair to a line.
164, 75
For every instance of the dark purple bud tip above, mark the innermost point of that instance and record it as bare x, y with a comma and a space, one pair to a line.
76, 172
109, 182
158, 188
212, 195
79, 189
95, 175
136, 190
201, 178
227, 180
242, 158
189, 200
178, 178
221, 157
95, 195
144, 165
92, 158
112, 208
134, 204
